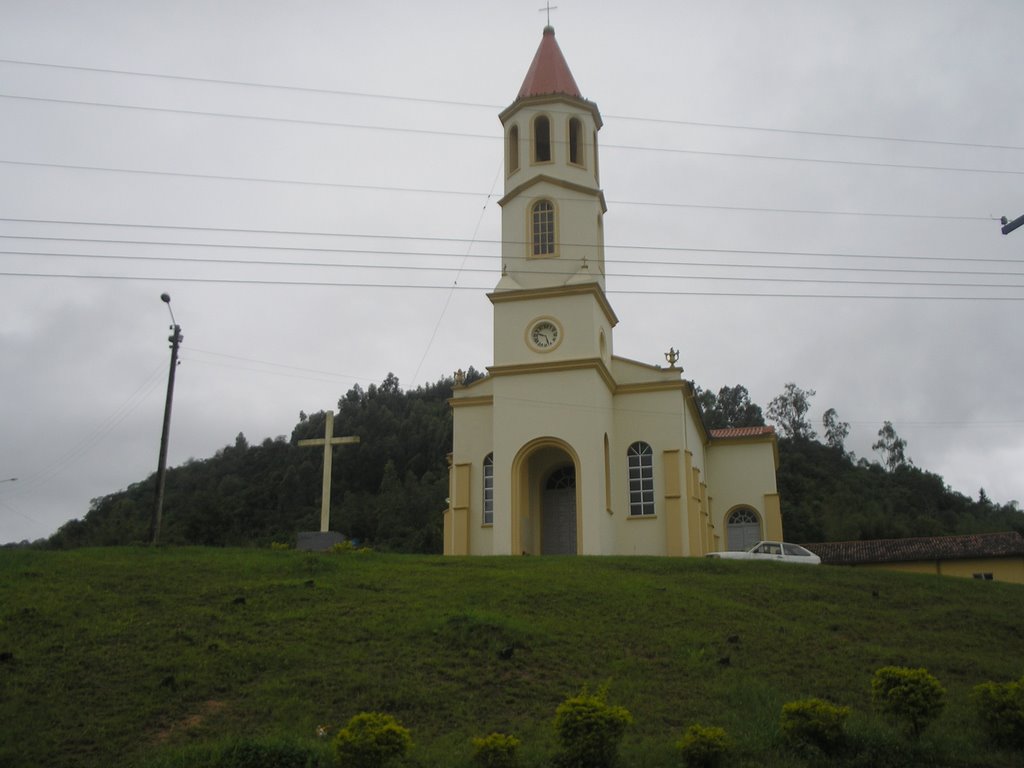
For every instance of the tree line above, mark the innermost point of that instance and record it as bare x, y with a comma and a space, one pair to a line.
389, 490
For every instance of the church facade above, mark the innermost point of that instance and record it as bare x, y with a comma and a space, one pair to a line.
565, 447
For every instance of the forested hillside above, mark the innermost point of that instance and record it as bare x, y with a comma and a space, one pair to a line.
389, 490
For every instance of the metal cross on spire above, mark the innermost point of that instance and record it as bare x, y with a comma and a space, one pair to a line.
549, 8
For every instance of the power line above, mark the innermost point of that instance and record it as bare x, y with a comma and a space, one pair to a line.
491, 137
699, 206
464, 257
408, 286
458, 272
92, 438
384, 188
363, 251
225, 177
480, 105
265, 118
298, 369
670, 150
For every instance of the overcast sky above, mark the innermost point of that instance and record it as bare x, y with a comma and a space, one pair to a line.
800, 191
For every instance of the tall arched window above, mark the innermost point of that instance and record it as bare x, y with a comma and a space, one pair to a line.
489, 489
542, 228
576, 141
513, 149
641, 479
541, 139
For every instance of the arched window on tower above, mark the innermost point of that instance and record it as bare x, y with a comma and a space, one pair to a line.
542, 228
513, 150
541, 139
488, 518
576, 141
641, 479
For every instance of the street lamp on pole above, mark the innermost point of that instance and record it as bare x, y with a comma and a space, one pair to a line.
161, 473
1009, 226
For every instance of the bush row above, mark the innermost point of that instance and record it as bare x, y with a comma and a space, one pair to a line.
589, 730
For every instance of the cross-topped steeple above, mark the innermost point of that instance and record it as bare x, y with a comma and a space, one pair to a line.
549, 73
549, 8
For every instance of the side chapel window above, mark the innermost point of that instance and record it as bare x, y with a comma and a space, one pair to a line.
641, 479
542, 228
489, 489
541, 139
513, 149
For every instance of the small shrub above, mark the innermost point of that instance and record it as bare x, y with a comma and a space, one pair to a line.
497, 750
341, 547
278, 546
589, 731
816, 724
703, 746
1000, 707
911, 697
370, 740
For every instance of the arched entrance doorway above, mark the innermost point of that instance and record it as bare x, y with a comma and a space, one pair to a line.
743, 529
558, 513
545, 499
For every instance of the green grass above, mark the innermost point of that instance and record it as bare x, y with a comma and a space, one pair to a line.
147, 657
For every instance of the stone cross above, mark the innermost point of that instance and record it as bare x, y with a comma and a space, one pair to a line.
328, 442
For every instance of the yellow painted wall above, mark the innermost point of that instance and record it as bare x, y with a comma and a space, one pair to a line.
1006, 569
742, 473
472, 442
655, 418
572, 407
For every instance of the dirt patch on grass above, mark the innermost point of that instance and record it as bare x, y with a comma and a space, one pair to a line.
191, 721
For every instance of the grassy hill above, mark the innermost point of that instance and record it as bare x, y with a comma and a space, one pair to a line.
133, 656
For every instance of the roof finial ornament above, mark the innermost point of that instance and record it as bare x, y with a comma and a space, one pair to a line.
549, 8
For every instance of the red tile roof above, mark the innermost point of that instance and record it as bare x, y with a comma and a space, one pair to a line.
549, 74
718, 434
1009, 544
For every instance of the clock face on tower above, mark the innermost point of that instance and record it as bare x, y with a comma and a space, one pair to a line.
544, 335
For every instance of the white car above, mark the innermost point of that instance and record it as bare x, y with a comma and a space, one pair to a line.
780, 551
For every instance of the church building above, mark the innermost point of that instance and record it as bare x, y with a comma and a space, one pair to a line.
565, 447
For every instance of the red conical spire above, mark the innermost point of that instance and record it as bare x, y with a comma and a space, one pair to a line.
549, 74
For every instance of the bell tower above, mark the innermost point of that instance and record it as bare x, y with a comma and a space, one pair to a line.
553, 206
553, 268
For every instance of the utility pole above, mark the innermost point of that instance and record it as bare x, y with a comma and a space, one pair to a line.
161, 473
1009, 226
